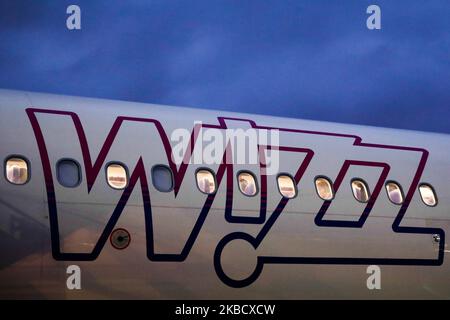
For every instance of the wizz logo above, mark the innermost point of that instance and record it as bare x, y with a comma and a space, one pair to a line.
304, 151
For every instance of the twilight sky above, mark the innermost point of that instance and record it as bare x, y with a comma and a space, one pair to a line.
294, 58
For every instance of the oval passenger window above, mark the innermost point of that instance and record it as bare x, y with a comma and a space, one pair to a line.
206, 182
324, 189
162, 178
360, 190
247, 184
286, 186
16, 170
117, 176
68, 173
394, 193
427, 194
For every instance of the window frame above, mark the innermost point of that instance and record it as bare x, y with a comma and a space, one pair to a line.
434, 193
80, 174
254, 179
369, 193
331, 184
214, 177
401, 191
171, 175
293, 180
126, 174
17, 156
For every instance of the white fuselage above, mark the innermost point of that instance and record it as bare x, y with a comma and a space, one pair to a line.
189, 245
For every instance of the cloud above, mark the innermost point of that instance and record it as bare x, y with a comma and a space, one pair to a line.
305, 59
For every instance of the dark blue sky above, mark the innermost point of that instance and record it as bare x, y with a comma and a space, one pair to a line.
304, 59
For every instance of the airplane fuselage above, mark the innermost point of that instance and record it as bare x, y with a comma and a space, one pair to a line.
138, 240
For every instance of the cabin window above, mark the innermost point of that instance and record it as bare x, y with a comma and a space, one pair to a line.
360, 190
427, 194
286, 186
68, 173
117, 175
394, 192
206, 181
247, 183
324, 188
16, 170
162, 178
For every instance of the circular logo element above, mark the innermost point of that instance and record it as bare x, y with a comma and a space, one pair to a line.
120, 238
